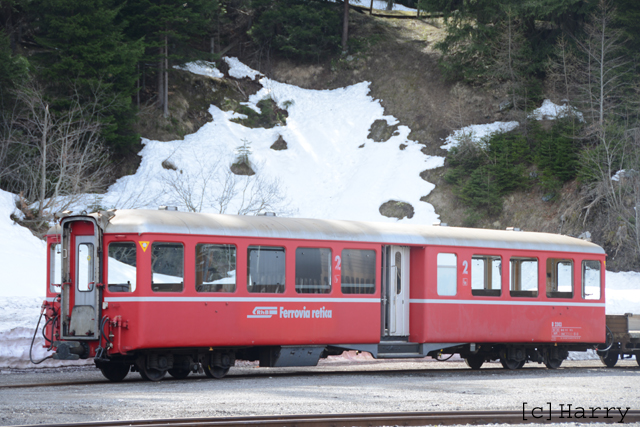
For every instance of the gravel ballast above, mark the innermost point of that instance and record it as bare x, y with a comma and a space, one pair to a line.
332, 387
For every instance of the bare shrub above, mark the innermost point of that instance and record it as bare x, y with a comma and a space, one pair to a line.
212, 186
54, 157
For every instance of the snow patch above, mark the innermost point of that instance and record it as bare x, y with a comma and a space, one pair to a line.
202, 68
380, 5
238, 70
18, 319
551, 111
477, 134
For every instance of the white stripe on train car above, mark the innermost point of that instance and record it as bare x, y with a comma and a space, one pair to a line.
502, 302
236, 299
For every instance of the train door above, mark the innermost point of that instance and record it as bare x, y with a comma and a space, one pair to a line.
398, 290
80, 272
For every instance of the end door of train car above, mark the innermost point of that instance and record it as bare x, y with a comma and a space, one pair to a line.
80, 294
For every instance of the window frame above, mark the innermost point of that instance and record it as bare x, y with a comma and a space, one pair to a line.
357, 287
91, 268
52, 267
440, 285
135, 284
487, 276
281, 288
552, 278
221, 289
584, 294
519, 293
171, 287
299, 290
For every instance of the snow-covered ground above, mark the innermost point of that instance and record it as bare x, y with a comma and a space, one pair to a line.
23, 257
329, 170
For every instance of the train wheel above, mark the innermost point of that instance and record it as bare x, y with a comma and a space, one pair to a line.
553, 363
609, 359
151, 374
511, 363
114, 372
179, 374
214, 371
474, 361
521, 364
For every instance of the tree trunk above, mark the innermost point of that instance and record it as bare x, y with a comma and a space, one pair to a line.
138, 86
345, 26
371, 8
161, 79
602, 61
43, 183
166, 76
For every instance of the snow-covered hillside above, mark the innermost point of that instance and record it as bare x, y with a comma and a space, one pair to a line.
331, 169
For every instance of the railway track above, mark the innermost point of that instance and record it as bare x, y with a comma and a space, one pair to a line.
368, 419
135, 378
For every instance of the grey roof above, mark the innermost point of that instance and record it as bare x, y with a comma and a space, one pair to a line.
169, 222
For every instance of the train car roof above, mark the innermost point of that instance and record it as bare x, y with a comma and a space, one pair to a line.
175, 222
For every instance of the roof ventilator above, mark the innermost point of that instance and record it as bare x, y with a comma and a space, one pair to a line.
513, 229
167, 208
440, 224
267, 214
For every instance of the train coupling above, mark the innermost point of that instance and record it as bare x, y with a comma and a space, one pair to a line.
70, 350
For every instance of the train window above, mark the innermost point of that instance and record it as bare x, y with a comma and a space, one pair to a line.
523, 274
447, 274
486, 275
591, 288
215, 268
358, 271
121, 268
85, 267
167, 267
55, 267
559, 278
266, 269
313, 271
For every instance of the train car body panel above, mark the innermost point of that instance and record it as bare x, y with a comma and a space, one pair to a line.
465, 317
173, 280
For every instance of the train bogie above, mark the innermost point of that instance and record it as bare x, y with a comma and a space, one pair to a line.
623, 339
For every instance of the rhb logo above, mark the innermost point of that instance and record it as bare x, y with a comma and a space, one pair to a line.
263, 312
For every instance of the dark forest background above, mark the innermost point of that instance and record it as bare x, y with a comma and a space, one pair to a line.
74, 75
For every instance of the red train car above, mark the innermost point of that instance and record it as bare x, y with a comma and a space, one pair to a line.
167, 291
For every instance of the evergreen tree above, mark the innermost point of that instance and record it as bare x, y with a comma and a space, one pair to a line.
296, 28
13, 70
628, 16
14, 17
473, 30
167, 26
87, 51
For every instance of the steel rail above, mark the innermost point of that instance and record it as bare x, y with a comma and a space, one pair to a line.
368, 419
240, 375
